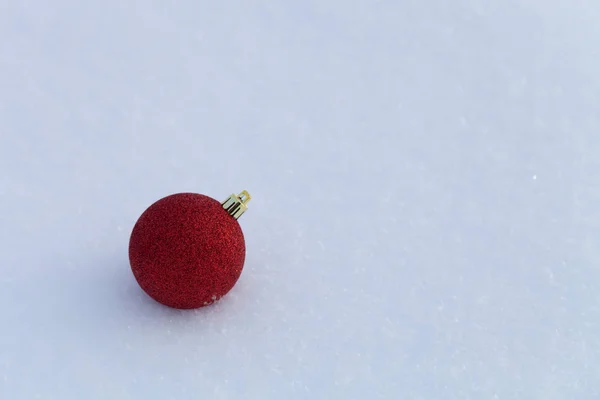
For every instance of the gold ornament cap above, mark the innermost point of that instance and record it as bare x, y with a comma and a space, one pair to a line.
236, 204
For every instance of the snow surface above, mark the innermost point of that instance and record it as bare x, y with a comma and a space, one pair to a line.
426, 183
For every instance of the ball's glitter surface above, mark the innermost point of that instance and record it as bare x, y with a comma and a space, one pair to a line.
186, 251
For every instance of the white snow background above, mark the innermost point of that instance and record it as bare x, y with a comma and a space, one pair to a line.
425, 221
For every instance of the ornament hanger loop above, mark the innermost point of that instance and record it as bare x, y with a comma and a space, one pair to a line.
244, 196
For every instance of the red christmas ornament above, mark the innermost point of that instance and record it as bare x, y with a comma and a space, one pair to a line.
187, 250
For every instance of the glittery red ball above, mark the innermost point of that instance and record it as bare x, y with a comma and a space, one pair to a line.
186, 251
